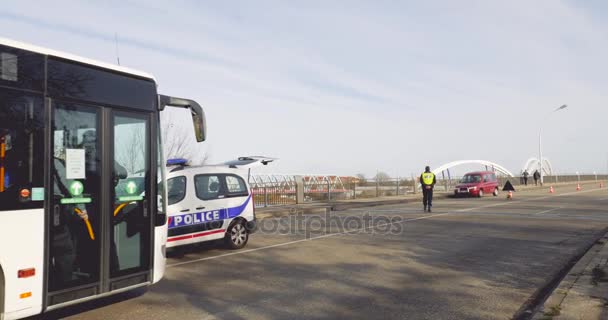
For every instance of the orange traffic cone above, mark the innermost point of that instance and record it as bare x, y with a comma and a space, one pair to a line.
578, 187
551, 190
510, 195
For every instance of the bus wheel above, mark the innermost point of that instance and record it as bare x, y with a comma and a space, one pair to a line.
237, 236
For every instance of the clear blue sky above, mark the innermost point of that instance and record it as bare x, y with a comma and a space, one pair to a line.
347, 87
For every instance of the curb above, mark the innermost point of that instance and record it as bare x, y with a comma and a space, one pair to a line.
553, 292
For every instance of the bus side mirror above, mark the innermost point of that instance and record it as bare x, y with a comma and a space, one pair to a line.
200, 127
198, 115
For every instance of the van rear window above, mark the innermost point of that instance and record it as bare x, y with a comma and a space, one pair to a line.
236, 186
215, 186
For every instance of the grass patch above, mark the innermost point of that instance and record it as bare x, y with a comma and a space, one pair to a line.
554, 311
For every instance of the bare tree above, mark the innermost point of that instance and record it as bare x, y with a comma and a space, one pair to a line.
382, 177
132, 150
362, 179
178, 140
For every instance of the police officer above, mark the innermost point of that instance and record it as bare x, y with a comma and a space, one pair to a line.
427, 181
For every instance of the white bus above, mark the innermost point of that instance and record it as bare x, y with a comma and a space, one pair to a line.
81, 213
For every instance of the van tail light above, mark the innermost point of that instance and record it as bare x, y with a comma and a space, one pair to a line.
26, 273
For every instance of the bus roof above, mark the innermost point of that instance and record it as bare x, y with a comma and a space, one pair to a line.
68, 56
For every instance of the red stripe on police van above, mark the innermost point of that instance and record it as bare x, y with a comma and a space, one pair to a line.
195, 235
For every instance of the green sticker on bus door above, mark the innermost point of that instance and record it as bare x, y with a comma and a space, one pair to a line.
76, 189
131, 189
75, 200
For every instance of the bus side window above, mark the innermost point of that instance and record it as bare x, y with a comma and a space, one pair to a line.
21, 147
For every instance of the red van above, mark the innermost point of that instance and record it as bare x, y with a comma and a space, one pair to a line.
477, 184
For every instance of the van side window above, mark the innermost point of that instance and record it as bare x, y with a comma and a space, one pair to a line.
235, 186
207, 186
176, 189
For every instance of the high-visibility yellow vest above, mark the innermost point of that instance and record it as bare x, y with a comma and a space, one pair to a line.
427, 178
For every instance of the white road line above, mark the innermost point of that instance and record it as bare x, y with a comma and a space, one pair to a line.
303, 240
547, 211
405, 210
364, 228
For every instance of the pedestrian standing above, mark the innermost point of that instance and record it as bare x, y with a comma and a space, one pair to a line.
526, 174
427, 181
536, 176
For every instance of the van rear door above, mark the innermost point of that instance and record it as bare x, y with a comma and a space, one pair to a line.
237, 197
249, 162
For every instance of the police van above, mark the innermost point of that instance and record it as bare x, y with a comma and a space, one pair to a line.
211, 202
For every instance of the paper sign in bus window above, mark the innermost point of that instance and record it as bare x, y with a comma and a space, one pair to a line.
74, 164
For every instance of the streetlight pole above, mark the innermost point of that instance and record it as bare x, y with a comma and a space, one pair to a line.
540, 152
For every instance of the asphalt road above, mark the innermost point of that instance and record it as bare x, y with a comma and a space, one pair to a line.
469, 259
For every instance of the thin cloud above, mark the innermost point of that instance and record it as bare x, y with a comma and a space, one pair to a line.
358, 86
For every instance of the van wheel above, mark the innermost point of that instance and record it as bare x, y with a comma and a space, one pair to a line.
237, 236
480, 193
495, 193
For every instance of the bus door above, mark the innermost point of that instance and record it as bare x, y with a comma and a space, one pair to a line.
131, 221
100, 223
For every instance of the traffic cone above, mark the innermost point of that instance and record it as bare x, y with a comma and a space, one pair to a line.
551, 190
510, 195
578, 187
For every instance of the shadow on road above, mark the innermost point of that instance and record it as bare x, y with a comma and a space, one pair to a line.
90, 305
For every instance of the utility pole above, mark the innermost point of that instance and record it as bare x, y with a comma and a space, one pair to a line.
540, 152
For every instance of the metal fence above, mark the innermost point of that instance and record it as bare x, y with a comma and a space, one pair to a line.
270, 195
283, 191
333, 188
372, 188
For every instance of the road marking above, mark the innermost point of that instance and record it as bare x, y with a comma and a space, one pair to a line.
405, 210
303, 240
547, 211
365, 228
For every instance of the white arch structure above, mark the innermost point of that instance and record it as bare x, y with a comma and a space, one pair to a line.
533, 164
495, 166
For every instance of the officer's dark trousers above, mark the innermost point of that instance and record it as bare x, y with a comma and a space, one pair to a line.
427, 197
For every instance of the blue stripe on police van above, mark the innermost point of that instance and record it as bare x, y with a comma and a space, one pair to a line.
206, 216
233, 212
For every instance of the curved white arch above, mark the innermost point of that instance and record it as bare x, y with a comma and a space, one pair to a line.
533, 164
496, 166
